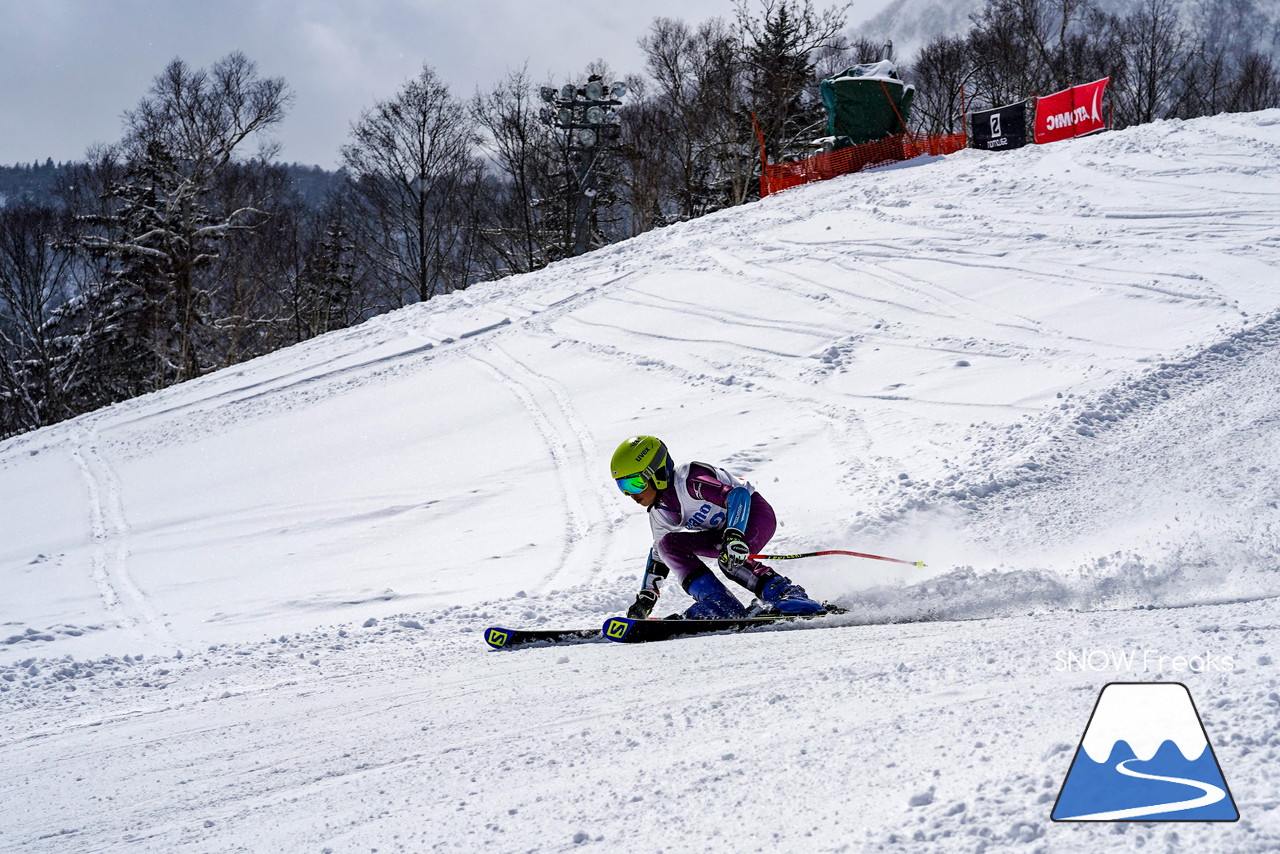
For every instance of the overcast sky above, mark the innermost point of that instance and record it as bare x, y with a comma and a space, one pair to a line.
69, 68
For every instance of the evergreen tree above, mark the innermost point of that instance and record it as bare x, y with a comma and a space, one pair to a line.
780, 49
327, 293
146, 322
118, 338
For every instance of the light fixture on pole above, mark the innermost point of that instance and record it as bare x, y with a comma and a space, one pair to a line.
586, 116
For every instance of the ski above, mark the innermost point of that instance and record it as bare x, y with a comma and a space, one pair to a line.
500, 638
627, 630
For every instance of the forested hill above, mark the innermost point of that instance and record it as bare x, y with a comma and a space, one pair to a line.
33, 182
38, 182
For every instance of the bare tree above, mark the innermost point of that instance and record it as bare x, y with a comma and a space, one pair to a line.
34, 278
1231, 63
841, 53
646, 131
668, 128
202, 118
691, 129
732, 151
248, 316
1155, 48
940, 69
1020, 47
1204, 83
521, 149
1257, 84
1230, 29
1093, 48
413, 162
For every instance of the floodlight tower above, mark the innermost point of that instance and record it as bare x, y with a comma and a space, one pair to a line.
590, 125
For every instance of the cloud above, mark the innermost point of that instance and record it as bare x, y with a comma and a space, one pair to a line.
71, 67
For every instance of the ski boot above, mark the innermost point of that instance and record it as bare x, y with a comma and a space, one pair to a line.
715, 602
783, 597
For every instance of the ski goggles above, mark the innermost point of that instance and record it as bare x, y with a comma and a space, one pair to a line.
632, 484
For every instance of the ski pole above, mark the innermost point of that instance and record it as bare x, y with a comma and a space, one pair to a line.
916, 563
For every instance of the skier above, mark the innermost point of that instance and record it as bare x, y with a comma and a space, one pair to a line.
698, 510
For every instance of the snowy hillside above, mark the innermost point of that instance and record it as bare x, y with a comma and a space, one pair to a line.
245, 613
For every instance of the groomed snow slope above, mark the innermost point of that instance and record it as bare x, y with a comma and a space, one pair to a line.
246, 613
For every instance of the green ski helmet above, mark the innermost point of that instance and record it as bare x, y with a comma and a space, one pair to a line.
641, 460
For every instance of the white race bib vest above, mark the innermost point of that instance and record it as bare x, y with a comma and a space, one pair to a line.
696, 514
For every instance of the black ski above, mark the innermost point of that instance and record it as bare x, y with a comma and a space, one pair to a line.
500, 638
627, 630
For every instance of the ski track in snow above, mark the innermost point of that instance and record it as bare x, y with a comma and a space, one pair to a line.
122, 599
309, 375
574, 456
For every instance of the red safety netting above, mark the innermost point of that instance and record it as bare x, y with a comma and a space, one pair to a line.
892, 149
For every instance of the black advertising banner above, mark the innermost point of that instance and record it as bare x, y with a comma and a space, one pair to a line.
998, 129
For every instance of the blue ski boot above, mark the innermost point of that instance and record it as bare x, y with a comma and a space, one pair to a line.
784, 597
715, 602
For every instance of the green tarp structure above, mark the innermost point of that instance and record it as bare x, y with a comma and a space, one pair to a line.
865, 103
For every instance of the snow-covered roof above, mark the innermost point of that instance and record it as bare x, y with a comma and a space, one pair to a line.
882, 70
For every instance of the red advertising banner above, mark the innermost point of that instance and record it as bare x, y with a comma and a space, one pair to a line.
1070, 113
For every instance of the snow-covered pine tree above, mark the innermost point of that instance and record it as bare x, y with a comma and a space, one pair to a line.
115, 340
145, 323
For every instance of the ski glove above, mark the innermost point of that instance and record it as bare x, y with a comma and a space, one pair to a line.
645, 600
733, 550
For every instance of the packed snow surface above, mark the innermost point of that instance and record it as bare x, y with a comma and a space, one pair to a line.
247, 613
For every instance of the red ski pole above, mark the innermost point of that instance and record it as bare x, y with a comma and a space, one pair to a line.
916, 563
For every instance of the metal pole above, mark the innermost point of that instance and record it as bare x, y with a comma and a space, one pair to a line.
586, 195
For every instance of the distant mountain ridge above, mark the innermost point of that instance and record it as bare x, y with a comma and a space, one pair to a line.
910, 24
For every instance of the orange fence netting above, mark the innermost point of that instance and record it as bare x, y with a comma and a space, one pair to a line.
892, 149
